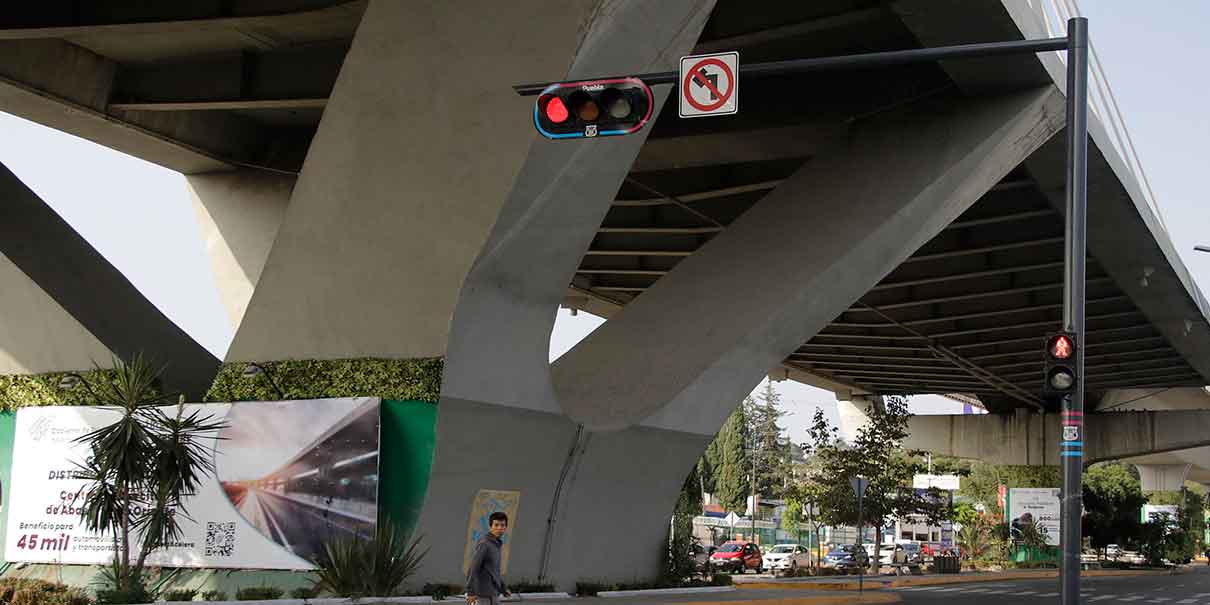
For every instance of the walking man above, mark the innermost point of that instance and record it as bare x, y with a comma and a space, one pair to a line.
484, 584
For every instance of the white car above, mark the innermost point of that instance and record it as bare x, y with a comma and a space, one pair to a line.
787, 558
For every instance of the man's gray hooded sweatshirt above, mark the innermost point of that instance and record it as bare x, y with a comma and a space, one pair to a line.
483, 577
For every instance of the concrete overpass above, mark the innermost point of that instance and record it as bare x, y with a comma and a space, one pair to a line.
361, 198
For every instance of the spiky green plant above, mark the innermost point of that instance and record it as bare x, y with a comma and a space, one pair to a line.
142, 467
377, 567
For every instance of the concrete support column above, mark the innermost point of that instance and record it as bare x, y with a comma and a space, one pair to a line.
239, 213
1162, 477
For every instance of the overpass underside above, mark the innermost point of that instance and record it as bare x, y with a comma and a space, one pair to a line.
877, 231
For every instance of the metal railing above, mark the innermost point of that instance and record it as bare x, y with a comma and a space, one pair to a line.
1102, 102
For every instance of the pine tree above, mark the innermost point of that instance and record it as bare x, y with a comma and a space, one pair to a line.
733, 467
770, 447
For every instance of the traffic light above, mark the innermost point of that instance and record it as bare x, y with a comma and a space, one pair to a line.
1060, 376
593, 108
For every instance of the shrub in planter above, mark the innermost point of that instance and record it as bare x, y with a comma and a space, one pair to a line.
180, 594
38, 592
527, 586
303, 592
258, 593
590, 589
214, 595
376, 567
721, 579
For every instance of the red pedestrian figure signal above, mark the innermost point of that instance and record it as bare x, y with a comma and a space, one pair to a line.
1059, 365
1061, 347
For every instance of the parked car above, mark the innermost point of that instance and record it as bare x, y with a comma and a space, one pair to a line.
787, 558
1113, 551
737, 557
701, 555
846, 558
913, 553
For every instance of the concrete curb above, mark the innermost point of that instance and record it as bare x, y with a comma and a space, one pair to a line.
525, 596
881, 583
615, 594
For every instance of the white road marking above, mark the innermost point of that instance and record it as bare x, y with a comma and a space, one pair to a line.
1159, 600
1185, 601
1134, 598
1103, 597
1049, 594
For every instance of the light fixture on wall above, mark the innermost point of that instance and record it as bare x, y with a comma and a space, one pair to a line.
1147, 272
69, 382
251, 370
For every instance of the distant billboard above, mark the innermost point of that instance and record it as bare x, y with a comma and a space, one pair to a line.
1150, 511
1036, 507
944, 482
290, 476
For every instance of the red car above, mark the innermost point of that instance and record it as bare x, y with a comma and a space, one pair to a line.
737, 557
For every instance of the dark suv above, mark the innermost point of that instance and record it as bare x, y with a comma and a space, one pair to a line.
846, 558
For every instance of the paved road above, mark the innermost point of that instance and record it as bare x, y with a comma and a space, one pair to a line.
1189, 588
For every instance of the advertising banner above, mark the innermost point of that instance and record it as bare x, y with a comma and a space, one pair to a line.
1037, 507
290, 476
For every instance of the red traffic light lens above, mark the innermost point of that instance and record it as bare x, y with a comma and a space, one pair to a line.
556, 111
1060, 347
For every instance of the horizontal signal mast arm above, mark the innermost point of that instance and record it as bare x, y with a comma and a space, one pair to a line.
894, 57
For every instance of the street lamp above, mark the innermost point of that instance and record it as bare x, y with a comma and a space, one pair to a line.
1202, 248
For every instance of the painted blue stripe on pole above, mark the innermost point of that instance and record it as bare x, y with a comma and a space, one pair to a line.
1072, 453
1072, 444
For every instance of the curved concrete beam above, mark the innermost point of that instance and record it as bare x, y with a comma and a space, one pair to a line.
706, 333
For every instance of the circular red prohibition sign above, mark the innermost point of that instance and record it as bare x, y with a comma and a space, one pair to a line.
694, 75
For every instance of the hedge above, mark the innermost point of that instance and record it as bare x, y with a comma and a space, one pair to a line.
43, 389
400, 379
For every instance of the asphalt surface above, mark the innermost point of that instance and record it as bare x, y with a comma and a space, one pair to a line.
1192, 587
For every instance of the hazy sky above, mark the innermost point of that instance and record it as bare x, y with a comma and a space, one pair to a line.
139, 215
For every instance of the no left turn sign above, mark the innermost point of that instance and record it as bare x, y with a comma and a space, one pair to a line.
709, 85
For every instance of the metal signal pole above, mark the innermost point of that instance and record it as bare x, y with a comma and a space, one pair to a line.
1072, 452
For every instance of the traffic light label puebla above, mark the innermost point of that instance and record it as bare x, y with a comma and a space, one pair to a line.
1059, 365
593, 108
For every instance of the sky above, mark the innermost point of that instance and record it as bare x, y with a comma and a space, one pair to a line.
140, 218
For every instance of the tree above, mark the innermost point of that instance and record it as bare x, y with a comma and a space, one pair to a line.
141, 469
876, 454
733, 466
679, 562
769, 447
982, 482
1113, 498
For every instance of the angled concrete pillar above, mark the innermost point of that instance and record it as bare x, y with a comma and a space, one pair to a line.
238, 213
36, 334
49, 253
497, 373
1162, 477
623, 417
404, 178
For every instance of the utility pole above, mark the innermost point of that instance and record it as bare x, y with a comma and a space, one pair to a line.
1074, 299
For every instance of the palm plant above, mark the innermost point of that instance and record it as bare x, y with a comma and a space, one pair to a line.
377, 567
141, 469
975, 538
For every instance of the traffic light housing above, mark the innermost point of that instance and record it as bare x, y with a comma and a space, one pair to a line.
593, 108
1060, 377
